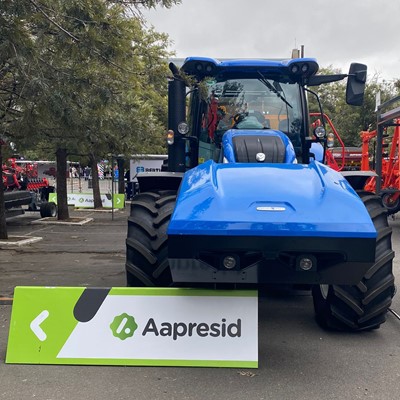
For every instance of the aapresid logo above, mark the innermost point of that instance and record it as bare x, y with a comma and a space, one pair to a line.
123, 326
139, 169
202, 329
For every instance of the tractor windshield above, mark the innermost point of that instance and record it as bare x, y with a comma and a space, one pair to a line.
257, 103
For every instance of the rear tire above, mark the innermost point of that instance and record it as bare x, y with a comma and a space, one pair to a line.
363, 306
147, 241
48, 210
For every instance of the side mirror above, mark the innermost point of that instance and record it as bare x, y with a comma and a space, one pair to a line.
356, 84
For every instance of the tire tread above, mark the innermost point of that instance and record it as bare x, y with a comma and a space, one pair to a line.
147, 239
363, 306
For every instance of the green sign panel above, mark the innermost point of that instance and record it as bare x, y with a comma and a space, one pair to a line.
134, 326
85, 200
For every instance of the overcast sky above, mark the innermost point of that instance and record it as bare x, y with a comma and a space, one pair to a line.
335, 32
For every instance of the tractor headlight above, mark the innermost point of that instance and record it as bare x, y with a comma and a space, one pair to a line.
320, 132
183, 128
229, 262
306, 262
302, 68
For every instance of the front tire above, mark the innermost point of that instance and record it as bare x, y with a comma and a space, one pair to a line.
363, 306
146, 243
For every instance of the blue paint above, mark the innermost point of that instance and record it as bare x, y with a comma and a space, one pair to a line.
222, 199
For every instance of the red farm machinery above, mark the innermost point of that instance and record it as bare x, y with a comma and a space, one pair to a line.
339, 157
23, 187
380, 153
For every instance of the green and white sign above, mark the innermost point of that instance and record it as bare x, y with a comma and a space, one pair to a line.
134, 326
85, 200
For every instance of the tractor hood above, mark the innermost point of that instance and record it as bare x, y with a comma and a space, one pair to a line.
246, 199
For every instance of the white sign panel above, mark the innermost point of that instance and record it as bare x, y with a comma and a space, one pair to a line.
139, 166
168, 328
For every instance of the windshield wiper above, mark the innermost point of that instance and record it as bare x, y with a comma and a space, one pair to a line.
272, 89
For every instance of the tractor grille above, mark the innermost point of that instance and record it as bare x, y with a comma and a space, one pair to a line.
247, 147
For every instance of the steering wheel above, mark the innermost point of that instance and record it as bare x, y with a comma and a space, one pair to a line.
239, 117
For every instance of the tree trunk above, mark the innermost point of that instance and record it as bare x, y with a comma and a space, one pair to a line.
3, 224
121, 176
62, 196
95, 181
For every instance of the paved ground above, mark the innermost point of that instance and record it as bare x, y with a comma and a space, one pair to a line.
297, 360
92, 254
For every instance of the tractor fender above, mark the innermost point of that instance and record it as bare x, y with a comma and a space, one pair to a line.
358, 179
149, 181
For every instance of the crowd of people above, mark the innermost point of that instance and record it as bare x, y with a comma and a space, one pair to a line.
104, 171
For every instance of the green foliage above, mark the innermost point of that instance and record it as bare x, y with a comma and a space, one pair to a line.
146, 3
81, 77
84, 75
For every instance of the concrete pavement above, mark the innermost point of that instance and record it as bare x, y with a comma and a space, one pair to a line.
297, 360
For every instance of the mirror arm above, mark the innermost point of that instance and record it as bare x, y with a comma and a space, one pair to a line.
317, 80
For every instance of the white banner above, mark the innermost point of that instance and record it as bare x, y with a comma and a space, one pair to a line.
168, 328
139, 166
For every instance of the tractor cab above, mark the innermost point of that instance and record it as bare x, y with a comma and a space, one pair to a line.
260, 102
247, 106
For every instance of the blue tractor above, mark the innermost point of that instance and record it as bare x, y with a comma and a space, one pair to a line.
246, 199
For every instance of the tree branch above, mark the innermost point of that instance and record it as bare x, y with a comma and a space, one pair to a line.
74, 38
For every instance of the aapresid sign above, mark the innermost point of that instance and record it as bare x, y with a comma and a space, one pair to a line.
134, 326
85, 200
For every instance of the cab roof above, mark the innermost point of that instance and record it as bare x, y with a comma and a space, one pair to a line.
294, 70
